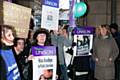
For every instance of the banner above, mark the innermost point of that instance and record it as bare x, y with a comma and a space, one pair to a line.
16, 16
51, 3
83, 37
50, 14
44, 62
71, 16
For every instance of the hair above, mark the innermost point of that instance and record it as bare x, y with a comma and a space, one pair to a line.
4, 29
114, 26
44, 31
16, 40
50, 70
106, 26
97, 31
66, 27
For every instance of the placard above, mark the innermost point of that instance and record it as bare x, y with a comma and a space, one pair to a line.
83, 37
17, 16
50, 14
44, 62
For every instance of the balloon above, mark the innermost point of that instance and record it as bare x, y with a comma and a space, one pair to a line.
79, 9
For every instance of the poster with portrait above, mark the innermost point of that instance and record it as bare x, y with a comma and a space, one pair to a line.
44, 62
83, 37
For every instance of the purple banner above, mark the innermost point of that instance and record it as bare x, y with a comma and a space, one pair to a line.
71, 18
83, 30
43, 50
52, 3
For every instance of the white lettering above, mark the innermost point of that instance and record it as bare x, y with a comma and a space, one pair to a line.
16, 76
15, 71
50, 3
12, 67
46, 52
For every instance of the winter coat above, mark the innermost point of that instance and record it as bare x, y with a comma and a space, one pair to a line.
8, 67
60, 42
104, 49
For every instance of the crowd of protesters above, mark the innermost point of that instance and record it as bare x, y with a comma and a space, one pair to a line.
16, 57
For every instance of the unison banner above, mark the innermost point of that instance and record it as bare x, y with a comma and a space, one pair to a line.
44, 62
83, 37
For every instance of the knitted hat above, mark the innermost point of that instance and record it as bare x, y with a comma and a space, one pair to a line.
114, 26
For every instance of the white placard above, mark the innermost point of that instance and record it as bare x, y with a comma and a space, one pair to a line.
50, 17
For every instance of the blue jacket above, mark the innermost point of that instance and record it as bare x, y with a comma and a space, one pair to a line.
12, 72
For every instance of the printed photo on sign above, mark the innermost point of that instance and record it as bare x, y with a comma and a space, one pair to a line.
50, 17
83, 43
44, 62
47, 74
83, 37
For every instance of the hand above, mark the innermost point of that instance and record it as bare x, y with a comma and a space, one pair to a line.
96, 59
110, 59
30, 57
56, 32
56, 77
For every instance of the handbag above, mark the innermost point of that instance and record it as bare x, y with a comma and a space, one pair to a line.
70, 69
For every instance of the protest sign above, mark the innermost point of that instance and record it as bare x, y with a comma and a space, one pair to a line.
83, 37
50, 14
16, 16
44, 62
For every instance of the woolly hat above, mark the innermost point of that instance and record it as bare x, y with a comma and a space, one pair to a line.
114, 26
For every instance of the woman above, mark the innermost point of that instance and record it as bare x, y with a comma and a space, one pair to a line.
105, 51
8, 68
41, 38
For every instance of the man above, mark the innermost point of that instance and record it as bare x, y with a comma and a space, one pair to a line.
60, 39
19, 45
116, 35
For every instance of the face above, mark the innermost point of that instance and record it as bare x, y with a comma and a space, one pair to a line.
64, 31
20, 45
42, 78
113, 30
8, 36
103, 31
41, 38
47, 73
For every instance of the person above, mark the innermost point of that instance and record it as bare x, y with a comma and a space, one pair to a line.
60, 39
105, 51
116, 35
18, 50
47, 74
92, 62
8, 69
41, 38
42, 77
